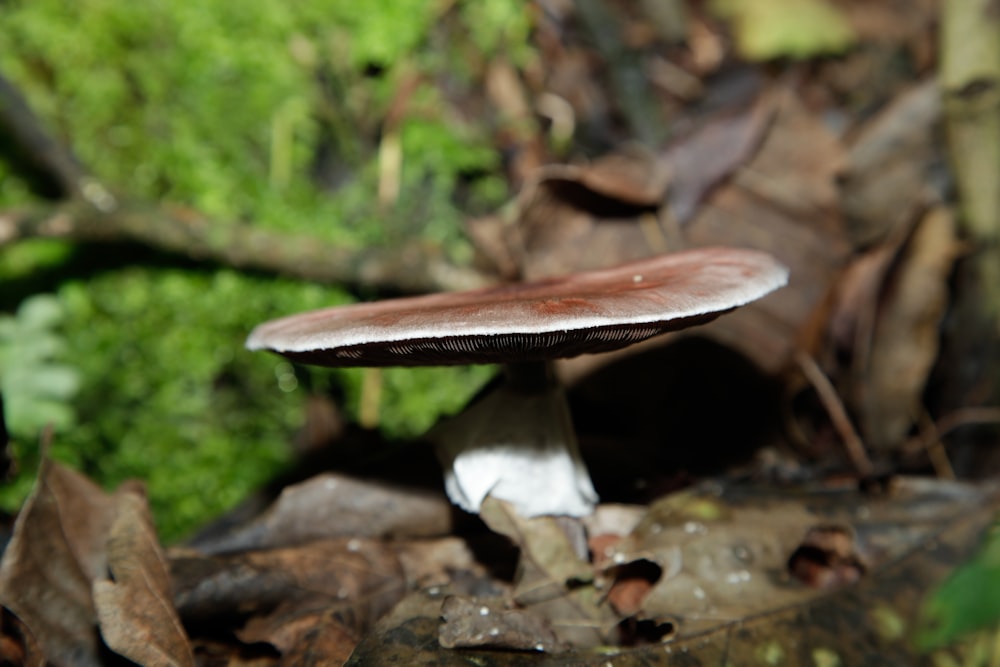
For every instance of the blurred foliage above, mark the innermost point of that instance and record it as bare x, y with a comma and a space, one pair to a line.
254, 113
967, 601
34, 374
260, 112
799, 29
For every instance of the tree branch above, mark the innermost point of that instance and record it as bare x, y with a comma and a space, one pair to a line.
411, 268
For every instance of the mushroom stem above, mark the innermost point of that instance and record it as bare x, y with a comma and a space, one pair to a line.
516, 444
530, 376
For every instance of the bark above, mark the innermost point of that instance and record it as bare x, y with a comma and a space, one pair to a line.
411, 268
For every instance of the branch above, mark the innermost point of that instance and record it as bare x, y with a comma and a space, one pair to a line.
411, 268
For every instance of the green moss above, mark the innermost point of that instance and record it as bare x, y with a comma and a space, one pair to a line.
257, 113
164, 391
226, 107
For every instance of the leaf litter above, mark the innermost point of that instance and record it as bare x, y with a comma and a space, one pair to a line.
835, 168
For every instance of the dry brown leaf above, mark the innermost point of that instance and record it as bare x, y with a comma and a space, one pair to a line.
55, 552
906, 339
356, 579
552, 581
785, 201
549, 559
885, 181
702, 160
566, 225
17, 645
364, 576
727, 557
798, 164
135, 606
436, 562
333, 505
910, 537
305, 635
634, 179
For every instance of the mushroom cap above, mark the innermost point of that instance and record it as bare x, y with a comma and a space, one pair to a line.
594, 311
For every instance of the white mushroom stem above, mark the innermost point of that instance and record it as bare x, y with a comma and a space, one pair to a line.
516, 444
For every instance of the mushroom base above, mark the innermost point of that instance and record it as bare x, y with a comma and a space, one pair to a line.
517, 446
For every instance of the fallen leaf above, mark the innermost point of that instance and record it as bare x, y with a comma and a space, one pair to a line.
333, 505
783, 198
727, 556
438, 562
575, 218
356, 579
135, 606
634, 179
17, 645
799, 163
905, 341
889, 159
553, 581
701, 160
57, 549
472, 623
549, 558
304, 634
911, 538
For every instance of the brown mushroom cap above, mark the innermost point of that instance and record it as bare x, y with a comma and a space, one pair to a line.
596, 311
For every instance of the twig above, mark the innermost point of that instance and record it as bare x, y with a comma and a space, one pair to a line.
411, 268
838, 413
929, 437
88, 212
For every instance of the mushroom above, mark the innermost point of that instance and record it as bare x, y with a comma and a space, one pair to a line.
517, 443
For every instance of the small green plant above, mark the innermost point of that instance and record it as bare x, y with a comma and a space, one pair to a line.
38, 384
254, 113
967, 601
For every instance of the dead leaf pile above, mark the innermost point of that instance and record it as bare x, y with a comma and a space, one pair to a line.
85, 575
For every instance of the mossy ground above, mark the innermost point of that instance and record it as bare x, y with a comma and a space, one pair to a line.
263, 113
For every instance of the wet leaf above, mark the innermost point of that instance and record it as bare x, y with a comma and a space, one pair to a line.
135, 605
471, 623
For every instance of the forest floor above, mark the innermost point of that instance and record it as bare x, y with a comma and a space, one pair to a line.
794, 483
